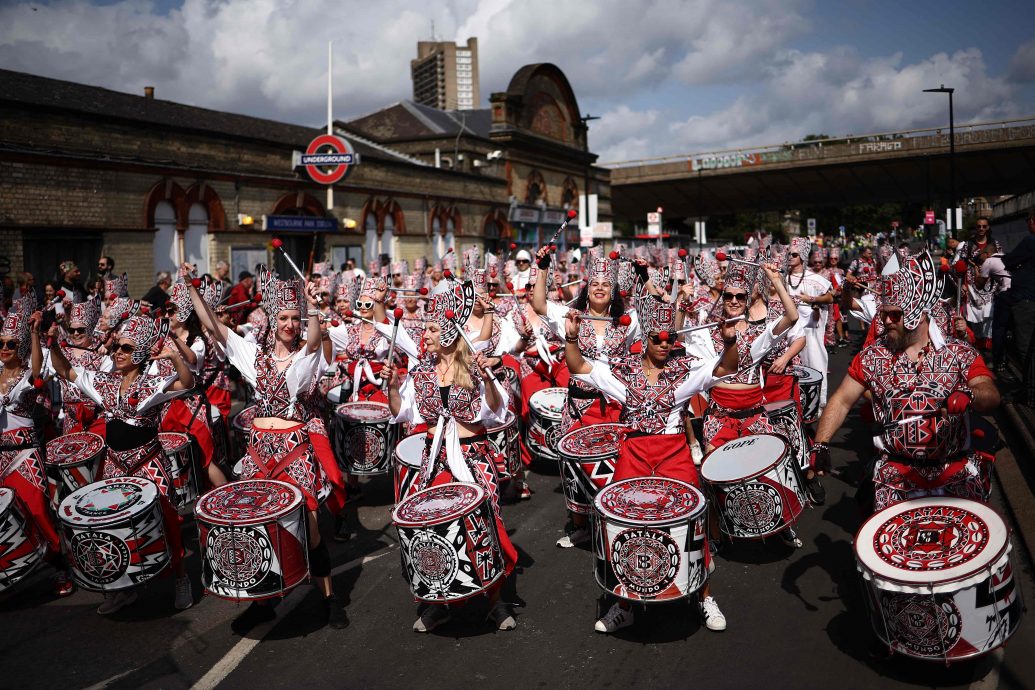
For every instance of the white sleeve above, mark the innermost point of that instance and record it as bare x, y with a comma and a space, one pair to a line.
198, 348
766, 341
509, 338
162, 394
403, 342
701, 378
339, 338
408, 403
601, 378
488, 416
634, 333
243, 355
303, 371
84, 382
555, 317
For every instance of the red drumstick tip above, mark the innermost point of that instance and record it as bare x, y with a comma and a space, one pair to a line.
64, 343
623, 293
663, 336
513, 246
682, 253
277, 243
572, 213
944, 268
625, 320
112, 297
450, 314
37, 383
553, 247
510, 286
961, 266
423, 291
61, 294
125, 315
720, 256
398, 313
613, 255
348, 313
335, 322
196, 282
447, 273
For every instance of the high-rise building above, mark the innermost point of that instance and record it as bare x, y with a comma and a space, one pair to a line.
445, 75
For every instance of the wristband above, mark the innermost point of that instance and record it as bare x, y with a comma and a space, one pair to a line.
571, 340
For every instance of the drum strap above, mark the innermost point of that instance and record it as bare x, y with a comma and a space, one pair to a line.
576, 393
265, 473
734, 414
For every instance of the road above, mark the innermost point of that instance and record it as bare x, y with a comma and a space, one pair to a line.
796, 619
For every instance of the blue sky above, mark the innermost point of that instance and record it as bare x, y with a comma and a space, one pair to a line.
668, 76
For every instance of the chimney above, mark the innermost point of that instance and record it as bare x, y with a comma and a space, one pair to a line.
149, 92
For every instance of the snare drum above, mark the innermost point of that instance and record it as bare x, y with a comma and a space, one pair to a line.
649, 539
366, 437
755, 486
505, 439
241, 428
179, 448
544, 430
448, 541
253, 539
810, 382
938, 578
588, 457
113, 533
22, 547
73, 461
784, 417
409, 455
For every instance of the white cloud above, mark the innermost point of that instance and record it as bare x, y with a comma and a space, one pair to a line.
1022, 65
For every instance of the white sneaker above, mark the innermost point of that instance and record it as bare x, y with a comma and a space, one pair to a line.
433, 616
616, 618
116, 601
184, 597
579, 536
713, 618
696, 454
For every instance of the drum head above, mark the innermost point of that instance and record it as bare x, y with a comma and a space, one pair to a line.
931, 541
248, 502
549, 402
410, 450
243, 419
172, 441
744, 458
438, 504
592, 442
364, 412
108, 501
74, 449
807, 374
649, 501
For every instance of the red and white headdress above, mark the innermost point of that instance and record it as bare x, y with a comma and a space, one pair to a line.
400, 267
279, 295
656, 316
911, 284
802, 246
144, 332
373, 285
118, 286
120, 309
84, 315
600, 266
741, 275
450, 305
179, 295
16, 323
211, 291
323, 283
346, 287
708, 270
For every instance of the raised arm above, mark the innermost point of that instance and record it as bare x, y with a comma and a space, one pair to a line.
313, 340
542, 261
205, 314
59, 361
790, 309
572, 355
36, 362
488, 311
185, 380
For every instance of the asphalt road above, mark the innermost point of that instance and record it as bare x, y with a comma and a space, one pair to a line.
796, 619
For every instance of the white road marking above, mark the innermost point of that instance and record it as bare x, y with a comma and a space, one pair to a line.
105, 683
232, 659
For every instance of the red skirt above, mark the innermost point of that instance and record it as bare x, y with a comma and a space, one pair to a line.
656, 455
220, 397
82, 416
179, 417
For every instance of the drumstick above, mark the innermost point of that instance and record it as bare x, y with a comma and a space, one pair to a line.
449, 316
571, 214
623, 320
279, 244
398, 313
711, 325
574, 282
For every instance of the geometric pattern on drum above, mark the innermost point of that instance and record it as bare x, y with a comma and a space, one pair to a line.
894, 482
597, 447
429, 400
750, 426
747, 373
931, 538
649, 499
810, 384
21, 547
481, 458
648, 406
366, 447
455, 559
902, 389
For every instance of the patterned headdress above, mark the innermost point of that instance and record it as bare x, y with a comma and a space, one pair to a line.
373, 285
420, 265
278, 295
655, 315
413, 281
211, 291
85, 314
533, 275
323, 283
179, 295
742, 276
450, 305
346, 287
401, 267
600, 266
16, 323
911, 285
834, 253
802, 246
626, 277
708, 270
120, 309
144, 332
118, 286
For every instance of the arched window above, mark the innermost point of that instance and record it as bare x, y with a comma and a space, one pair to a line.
535, 188
569, 194
195, 240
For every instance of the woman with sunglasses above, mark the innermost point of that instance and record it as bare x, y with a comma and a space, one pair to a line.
132, 400
652, 388
288, 440
447, 389
813, 294
359, 348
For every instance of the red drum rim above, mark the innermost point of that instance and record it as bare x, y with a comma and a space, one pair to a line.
952, 540
692, 504
575, 455
418, 440
509, 424
57, 456
438, 504
538, 406
108, 501
721, 475
807, 374
364, 412
173, 440
215, 507
243, 419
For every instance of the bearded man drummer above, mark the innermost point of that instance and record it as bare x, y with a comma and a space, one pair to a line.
923, 385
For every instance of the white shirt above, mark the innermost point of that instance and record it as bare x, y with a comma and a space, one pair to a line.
993, 268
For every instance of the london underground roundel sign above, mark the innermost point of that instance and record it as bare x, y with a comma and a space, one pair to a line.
328, 159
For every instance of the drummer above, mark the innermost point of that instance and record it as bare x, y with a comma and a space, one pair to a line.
923, 386
21, 454
652, 389
813, 294
363, 347
80, 348
603, 337
288, 441
446, 388
132, 399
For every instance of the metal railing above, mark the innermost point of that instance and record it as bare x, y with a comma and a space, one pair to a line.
836, 147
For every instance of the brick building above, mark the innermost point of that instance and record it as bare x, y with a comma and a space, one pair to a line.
86, 171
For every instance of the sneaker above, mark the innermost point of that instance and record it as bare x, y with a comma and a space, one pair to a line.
184, 598
336, 616
64, 585
616, 618
713, 618
116, 601
526, 491
816, 491
253, 615
341, 528
501, 616
842, 343
432, 617
696, 454
577, 536
790, 537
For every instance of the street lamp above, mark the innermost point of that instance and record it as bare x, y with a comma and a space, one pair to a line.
952, 156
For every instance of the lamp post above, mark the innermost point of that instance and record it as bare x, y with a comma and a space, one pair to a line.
952, 157
585, 120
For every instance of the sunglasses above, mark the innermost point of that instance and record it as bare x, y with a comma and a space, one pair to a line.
735, 296
892, 316
125, 347
77, 331
982, 226
364, 304
795, 255
522, 261
8, 344
656, 339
